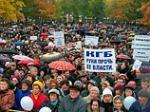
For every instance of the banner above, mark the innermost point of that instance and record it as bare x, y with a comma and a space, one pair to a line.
59, 39
91, 40
99, 60
141, 48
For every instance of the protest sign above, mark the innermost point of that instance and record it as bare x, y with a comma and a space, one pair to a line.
59, 39
141, 48
91, 40
100, 60
137, 64
33, 38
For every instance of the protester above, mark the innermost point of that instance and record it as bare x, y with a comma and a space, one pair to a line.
73, 102
37, 96
53, 100
7, 96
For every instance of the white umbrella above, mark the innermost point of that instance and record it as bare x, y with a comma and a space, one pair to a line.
21, 57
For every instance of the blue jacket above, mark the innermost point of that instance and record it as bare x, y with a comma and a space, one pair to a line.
19, 94
135, 107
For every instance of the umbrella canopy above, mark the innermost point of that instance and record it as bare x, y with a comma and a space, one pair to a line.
61, 65
2, 42
8, 51
43, 35
122, 56
5, 58
22, 57
29, 62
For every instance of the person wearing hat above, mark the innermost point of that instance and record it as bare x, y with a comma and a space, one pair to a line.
37, 96
24, 91
89, 85
7, 96
73, 102
53, 100
107, 100
144, 100
129, 91
94, 94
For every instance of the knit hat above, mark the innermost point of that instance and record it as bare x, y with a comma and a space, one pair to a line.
107, 91
132, 84
54, 91
143, 93
94, 88
39, 83
119, 86
78, 83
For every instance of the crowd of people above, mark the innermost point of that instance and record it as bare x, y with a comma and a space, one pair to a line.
70, 90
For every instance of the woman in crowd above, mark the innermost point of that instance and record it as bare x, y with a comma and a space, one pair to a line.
7, 96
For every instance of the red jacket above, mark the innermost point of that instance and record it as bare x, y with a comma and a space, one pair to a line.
39, 101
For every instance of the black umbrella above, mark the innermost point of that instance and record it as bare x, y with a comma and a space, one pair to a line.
8, 51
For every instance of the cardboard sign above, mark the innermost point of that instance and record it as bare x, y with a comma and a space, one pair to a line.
100, 60
91, 40
33, 38
59, 39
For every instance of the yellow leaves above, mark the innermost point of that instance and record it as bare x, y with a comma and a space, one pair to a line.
46, 8
146, 13
115, 8
10, 10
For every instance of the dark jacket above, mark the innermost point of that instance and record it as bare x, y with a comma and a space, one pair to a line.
108, 107
53, 107
69, 105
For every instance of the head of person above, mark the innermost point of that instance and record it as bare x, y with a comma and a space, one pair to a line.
143, 97
94, 92
34, 71
107, 95
90, 84
25, 85
118, 102
37, 87
4, 84
64, 85
53, 95
74, 92
95, 105
144, 83
105, 84
118, 88
128, 91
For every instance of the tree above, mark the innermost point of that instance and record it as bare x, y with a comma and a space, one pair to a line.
132, 11
46, 8
10, 10
146, 13
115, 9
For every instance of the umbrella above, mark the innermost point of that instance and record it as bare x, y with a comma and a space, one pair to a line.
8, 51
5, 58
122, 56
2, 42
35, 62
61, 65
43, 35
22, 57
19, 43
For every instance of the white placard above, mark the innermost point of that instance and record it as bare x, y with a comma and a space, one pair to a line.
33, 38
91, 40
78, 45
100, 60
59, 39
137, 64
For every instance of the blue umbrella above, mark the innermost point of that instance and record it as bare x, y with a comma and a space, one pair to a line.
19, 43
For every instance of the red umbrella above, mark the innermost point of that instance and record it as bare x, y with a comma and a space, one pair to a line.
122, 56
2, 43
61, 65
43, 35
29, 62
